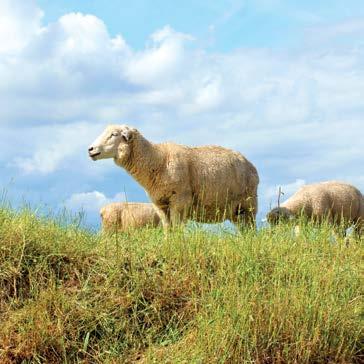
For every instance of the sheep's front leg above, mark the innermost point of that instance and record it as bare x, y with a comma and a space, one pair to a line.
164, 215
245, 219
169, 217
177, 217
179, 205
246, 222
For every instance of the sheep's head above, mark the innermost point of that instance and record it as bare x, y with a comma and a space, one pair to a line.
278, 214
114, 142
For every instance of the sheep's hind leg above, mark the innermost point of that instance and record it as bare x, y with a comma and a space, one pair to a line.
244, 219
248, 221
359, 228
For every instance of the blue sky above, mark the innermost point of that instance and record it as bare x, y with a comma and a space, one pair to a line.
280, 81
219, 25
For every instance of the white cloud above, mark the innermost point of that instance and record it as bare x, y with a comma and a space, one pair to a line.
82, 33
43, 161
207, 98
54, 145
91, 201
288, 189
161, 60
19, 22
235, 7
346, 28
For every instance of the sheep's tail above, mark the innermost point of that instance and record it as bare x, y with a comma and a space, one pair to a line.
361, 212
360, 220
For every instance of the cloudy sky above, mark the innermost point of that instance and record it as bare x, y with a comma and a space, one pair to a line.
280, 82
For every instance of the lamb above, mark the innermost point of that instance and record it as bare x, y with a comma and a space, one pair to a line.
122, 216
206, 183
337, 202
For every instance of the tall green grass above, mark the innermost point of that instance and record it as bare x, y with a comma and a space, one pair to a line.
68, 295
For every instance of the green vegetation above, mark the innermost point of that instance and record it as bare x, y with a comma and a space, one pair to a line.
68, 295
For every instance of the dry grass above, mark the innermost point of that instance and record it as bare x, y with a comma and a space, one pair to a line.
68, 295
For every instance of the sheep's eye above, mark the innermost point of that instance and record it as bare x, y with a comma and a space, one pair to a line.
114, 134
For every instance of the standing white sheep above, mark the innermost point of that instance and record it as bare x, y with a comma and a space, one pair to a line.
123, 216
208, 183
337, 202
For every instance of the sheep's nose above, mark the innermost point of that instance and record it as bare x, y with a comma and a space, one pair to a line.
90, 149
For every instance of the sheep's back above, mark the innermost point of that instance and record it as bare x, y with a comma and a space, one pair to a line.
222, 169
123, 215
326, 198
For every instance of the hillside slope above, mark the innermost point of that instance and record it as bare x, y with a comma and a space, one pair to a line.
68, 295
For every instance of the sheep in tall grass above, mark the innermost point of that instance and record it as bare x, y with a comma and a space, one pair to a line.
206, 183
336, 202
123, 216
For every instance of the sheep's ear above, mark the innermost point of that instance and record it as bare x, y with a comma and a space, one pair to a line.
127, 134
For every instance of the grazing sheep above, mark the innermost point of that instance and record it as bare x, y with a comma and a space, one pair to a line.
337, 202
122, 216
208, 183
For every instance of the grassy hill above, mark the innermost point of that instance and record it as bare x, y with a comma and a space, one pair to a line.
68, 295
